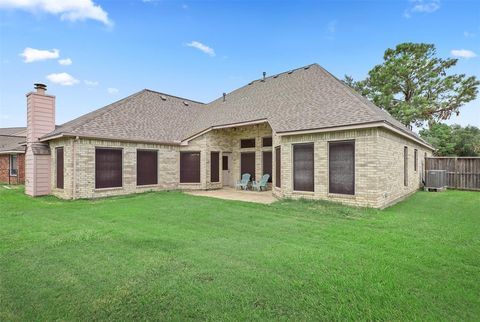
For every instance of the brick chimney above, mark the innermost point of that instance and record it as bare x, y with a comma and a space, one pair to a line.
40, 121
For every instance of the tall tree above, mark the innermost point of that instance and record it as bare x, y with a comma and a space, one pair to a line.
467, 140
440, 136
413, 86
453, 140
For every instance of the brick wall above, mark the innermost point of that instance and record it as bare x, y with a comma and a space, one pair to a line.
79, 180
83, 174
21, 168
367, 188
5, 169
378, 164
391, 166
68, 170
227, 141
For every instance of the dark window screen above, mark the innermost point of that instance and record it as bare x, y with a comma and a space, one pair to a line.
214, 166
267, 164
278, 167
405, 166
247, 143
108, 168
303, 173
415, 160
59, 168
147, 167
247, 164
189, 167
224, 162
267, 142
341, 167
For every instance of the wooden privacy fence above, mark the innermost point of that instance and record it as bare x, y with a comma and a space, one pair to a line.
462, 172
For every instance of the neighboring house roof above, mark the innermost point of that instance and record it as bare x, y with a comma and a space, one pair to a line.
9, 144
15, 131
11, 139
307, 98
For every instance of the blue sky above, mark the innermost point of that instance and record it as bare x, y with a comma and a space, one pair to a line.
94, 52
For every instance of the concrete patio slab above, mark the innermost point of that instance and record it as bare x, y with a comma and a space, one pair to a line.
264, 197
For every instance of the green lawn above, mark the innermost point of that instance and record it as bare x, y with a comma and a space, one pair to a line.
177, 257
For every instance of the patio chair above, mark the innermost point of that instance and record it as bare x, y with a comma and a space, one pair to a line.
258, 185
243, 183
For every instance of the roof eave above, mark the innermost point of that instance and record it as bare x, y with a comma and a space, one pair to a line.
97, 137
408, 135
383, 124
223, 126
47, 137
12, 152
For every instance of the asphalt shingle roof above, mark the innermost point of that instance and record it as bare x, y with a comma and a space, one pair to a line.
302, 99
143, 116
15, 131
11, 143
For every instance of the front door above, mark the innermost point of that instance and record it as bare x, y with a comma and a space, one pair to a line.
227, 169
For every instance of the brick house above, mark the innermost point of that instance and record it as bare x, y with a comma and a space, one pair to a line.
316, 137
12, 155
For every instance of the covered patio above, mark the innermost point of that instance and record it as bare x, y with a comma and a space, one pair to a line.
228, 193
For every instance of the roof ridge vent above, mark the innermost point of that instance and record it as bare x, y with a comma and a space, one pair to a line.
307, 67
163, 97
289, 72
185, 103
275, 76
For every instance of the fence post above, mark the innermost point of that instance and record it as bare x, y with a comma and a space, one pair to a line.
456, 173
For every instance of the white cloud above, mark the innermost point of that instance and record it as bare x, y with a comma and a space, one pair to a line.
65, 62
468, 34
63, 79
203, 48
425, 6
90, 83
463, 53
31, 54
422, 6
71, 10
112, 90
